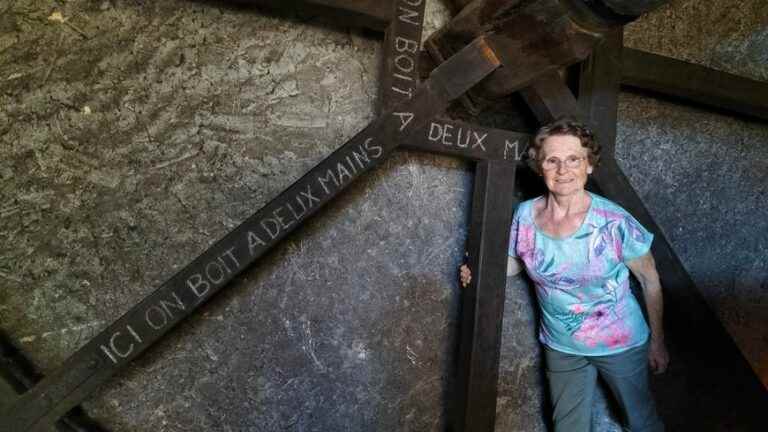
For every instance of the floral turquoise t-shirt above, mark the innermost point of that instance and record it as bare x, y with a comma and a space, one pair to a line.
582, 283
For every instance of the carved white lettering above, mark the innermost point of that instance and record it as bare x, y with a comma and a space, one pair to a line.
405, 119
510, 146
404, 78
409, 16
229, 254
361, 158
280, 219
478, 139
195, 281
450, 135
133, 333
373, 148
446, 134
108, 353
159, 315
329, 177
435, 131
300, 213
271, 226
342, 172
308, 195
406, 45
167, 305
405, 63
408, 92
212, 269
115, 350
253, 242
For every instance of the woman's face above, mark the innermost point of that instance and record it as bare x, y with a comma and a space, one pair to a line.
564, 164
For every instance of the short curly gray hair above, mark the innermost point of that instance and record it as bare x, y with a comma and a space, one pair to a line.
563, 126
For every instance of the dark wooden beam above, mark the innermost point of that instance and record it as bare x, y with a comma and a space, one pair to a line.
402, 46
469, 141
482, 310
373, 14
21, 375
530, 37
147, 322
544, 98
632, 7
694, 83
600, 82
710, 386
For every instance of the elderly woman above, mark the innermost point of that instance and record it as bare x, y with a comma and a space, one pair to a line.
579, 248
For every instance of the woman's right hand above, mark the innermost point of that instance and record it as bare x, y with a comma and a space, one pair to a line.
465, 274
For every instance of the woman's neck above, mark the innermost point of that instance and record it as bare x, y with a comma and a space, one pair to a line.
561, 206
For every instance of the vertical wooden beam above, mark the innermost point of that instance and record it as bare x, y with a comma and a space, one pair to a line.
474, 406
402, 46
599, 89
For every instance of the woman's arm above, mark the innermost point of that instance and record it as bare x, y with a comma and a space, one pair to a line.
513, 268
644, 269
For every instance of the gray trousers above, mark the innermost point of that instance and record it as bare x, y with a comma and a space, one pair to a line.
572, 381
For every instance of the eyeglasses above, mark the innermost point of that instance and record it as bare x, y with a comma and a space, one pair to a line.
570, 162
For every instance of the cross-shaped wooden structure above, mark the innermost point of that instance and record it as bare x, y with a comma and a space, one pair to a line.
502, 45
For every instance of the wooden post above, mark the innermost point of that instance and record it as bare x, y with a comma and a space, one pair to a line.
474, 404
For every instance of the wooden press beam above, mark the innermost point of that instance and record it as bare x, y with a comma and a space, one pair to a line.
694, 83
720, 390
531, 37
473, 398
373, 14
473, 406
599, 85
469, 141
130, 335
402, 46
20, 375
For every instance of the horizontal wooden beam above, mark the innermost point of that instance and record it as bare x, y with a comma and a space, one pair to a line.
20, 375
373, 14
469, 141
694, 83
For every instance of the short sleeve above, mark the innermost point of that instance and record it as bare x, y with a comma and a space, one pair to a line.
635, 239
513, 233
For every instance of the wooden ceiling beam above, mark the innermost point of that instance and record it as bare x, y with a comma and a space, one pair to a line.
372, 14
694, 83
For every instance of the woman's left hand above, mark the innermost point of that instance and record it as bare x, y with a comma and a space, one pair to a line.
658, 357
